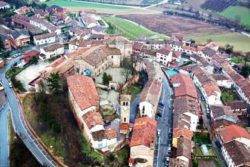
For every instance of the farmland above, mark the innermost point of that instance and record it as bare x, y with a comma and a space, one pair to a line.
240, 42
239, 13
173, 24
130, 29
218, 5
69, 3
194, 29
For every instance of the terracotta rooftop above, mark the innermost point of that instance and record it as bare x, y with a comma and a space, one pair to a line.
83, 90
238, 104
182, 132
184, 147
2, 3
92, 118
183, 85
104, 134
44, 36
144, 132
164, 50
53, 47
100, 54
232, 132
238, 152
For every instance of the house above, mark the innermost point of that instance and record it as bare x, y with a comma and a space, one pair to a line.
20, 38
142, 142
219, 124
175, 45
23, 10
183, 153
208, 52
233, 132
222, 112
52, 50
223, 81
81, 100
97, 60
164, 56
85, 105
4, 5
40, 13
44, 39
181, 132
89, 20
54, 9
125, 101
76, 43
137, 48
44, 25
186, 113
151, 92
236, 154
183, 86
238, 107
27, 56
207, 85
155, 44
119, 42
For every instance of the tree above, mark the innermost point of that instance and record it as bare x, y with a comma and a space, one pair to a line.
128, 68
106, 78
53, 82
1, 44
33, 60
246, 58
229, 49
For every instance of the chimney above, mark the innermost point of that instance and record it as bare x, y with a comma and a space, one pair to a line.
152, 144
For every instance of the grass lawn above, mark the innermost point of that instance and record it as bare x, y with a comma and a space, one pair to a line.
239, 41
70, 3
238, 12
130, 29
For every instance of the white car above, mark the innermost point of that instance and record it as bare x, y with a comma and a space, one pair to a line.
10, 84
158, 132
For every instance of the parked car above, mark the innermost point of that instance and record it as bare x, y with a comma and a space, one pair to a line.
161, 104
158, 114
158, 132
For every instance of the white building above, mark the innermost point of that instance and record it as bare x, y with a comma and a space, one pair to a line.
52, 50
44, 39
164, 56
4, 5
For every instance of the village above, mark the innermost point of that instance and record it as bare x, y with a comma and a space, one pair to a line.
172, 101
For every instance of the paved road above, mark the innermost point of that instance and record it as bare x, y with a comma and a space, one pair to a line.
20, 125
4, 137
164, 124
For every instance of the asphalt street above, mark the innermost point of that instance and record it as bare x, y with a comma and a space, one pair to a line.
4, 137
19, 123
164, 124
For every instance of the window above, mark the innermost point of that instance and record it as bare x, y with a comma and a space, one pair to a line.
124, 119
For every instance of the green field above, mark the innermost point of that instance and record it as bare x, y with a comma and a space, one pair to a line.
239, 41
238, 13
70, 3
130, 29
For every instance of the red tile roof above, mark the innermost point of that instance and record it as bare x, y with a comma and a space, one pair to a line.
232, 132
104, 134
178, 132
183, 85
144, 132
92, 119
83, 90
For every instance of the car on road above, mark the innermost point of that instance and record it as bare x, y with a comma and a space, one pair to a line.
159, 114
169, 149
10, 84
161, 104
158, 132
202, 98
